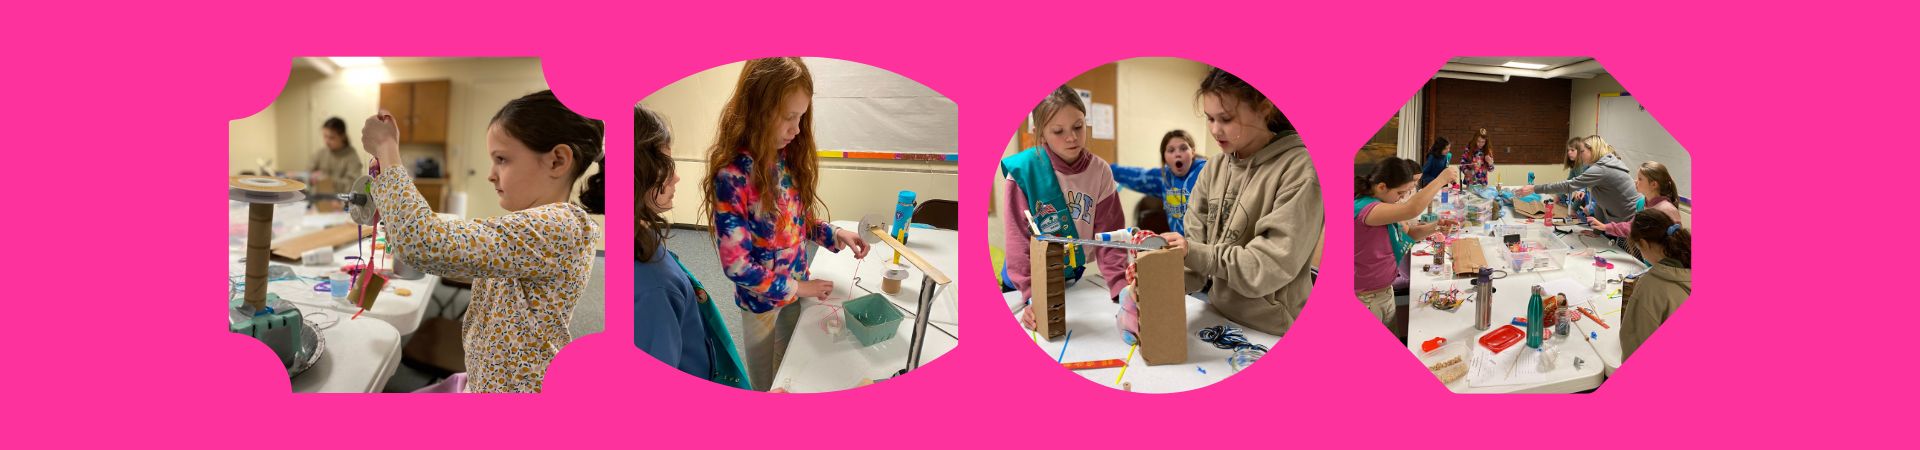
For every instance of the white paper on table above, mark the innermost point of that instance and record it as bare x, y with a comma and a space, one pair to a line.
1577, 294
1487, 369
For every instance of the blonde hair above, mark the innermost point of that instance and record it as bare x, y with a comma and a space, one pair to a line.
1062, 97
1598, 146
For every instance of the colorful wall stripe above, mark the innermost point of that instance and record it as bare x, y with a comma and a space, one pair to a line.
894, 156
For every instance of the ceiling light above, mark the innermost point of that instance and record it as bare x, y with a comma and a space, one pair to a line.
1524, 65
355, 61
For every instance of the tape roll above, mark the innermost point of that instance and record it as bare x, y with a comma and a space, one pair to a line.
258, 189
253, 183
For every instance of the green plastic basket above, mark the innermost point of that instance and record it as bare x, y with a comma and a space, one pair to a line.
872, 318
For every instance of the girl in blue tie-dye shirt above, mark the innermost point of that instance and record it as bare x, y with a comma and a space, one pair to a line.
761, 178
1180, 165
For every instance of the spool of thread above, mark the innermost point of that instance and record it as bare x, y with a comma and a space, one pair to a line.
896, 274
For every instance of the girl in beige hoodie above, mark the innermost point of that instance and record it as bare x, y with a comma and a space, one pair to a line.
1664, 287
1255, 217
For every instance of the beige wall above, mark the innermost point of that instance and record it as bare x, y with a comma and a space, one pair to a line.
1156, 95
479, 87
848, 188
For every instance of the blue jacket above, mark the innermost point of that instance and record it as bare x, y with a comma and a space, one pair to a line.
1433, 167
666, 315
1155, 181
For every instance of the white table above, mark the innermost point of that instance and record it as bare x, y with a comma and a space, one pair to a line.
360, 356
366, 354
1601, 356
1606, 305
1096, 336
819, 361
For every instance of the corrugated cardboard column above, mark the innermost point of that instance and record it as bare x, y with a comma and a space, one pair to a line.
1163, 305
1049, 288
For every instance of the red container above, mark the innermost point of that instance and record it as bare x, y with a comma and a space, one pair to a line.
1502, 337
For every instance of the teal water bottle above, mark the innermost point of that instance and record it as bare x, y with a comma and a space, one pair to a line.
1536, 316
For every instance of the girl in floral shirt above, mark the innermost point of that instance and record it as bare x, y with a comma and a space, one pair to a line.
529, 267
761, 178
1476, 164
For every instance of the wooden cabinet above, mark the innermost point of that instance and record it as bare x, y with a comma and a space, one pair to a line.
434, 190
420, 108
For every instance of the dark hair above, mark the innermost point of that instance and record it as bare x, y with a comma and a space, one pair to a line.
541, 122
1439, 146
1392, 171
651, 169
1651, 226
1166, 172
1576, 142
1226, 85
338, 126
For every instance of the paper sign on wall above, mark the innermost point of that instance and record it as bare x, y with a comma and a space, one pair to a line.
1100, 118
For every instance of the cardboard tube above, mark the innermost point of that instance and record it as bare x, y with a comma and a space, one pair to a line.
259, 243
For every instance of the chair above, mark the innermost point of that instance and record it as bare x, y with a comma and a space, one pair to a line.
937, 213
1151, 214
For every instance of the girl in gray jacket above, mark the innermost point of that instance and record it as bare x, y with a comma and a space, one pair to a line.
1606, 178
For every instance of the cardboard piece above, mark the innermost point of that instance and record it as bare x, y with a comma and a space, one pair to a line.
368, 285
333, 236
1531, 210
1467, 257
1049, 288
1160, 284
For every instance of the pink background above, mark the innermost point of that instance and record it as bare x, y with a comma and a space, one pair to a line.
116, 131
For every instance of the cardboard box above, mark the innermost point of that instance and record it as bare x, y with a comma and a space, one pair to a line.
1159, 282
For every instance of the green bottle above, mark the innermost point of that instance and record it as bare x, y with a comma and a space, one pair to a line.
1536, 315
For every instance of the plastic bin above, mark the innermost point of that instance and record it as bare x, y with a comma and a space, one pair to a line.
872, 319
1539, 251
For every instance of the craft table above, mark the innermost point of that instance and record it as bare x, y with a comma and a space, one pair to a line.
819, 359
1601, 356
359, 357
1096, 336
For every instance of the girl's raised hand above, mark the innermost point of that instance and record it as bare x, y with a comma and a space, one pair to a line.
380, 137
849, 239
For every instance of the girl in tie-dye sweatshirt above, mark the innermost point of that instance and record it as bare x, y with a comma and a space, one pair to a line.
761, 178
